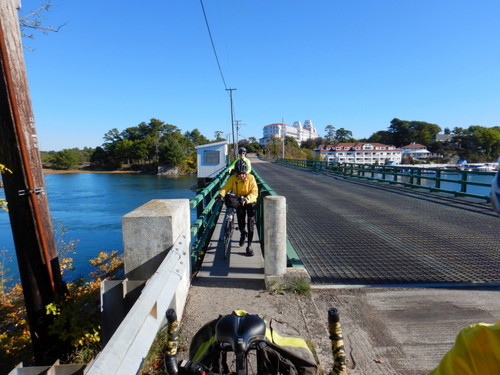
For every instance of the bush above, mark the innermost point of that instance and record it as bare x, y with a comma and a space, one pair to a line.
76, 318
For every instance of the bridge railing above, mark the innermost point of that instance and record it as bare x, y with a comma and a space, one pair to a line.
207, 211
473, 184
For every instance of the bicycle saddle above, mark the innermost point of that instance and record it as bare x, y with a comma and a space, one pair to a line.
240, 331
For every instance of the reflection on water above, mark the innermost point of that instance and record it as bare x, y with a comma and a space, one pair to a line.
90, 206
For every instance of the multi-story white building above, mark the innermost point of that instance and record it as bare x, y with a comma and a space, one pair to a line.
360, 153
297, 131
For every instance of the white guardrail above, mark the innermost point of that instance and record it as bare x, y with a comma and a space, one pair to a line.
167, 288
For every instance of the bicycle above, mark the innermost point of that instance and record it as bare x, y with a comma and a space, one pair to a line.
228, 225
237, 337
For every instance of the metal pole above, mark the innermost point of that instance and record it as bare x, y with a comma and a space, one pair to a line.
235, 151
237, 122
283, 132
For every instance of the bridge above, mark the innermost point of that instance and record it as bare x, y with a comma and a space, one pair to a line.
356, 232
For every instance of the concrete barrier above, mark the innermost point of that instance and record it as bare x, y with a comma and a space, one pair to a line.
275, 245
274, 235
149, 231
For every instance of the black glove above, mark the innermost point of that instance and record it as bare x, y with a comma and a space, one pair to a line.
242, 200
219, 198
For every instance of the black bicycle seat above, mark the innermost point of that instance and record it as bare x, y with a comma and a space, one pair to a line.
240, 331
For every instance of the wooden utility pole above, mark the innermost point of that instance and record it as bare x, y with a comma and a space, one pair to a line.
25, 189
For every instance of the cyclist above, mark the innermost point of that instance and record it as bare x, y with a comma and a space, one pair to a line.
244, 185
242, 151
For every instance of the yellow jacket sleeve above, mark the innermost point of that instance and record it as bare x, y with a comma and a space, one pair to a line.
476, 351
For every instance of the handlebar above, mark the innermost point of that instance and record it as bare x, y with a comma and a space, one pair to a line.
170, 359
339, 366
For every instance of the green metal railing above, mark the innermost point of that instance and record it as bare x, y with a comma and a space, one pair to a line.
207, 213
450, 181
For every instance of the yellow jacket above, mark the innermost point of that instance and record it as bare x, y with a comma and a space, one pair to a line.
246, 187
476, 352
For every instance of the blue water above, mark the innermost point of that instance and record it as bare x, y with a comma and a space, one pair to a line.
90, 207
448, 185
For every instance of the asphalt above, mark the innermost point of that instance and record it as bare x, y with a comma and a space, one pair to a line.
386, 330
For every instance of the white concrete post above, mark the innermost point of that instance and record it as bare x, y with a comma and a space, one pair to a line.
274, 235
149, 231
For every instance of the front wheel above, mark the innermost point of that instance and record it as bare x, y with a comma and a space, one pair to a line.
228, 234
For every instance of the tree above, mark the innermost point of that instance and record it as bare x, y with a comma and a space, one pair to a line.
382, 136
65, 159
330, 134
402, 134
218, 135
33, 21
172, 153
196, 137
489, 139
406, 132
343, 135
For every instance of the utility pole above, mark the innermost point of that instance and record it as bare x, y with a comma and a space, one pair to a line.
235, 151
283, 132
238, 122
25, 190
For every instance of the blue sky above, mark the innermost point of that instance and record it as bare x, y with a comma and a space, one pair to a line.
355, 64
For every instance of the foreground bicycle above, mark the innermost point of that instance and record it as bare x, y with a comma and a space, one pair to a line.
241, 343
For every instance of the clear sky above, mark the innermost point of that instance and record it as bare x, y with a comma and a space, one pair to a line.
355, 64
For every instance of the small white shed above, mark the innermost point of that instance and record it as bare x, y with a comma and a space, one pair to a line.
212, 159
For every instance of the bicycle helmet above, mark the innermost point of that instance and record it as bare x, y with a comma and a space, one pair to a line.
242, 150
241, 167
495, 191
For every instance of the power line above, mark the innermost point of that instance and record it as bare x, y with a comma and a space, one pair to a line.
213, 45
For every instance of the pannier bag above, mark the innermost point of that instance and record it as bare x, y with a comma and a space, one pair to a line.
285, 353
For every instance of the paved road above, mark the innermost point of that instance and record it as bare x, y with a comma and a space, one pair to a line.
350, 231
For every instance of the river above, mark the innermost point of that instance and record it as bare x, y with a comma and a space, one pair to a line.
89, 206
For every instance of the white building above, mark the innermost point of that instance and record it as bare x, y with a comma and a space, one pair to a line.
416, 151
211, 159
297, 131
360, 153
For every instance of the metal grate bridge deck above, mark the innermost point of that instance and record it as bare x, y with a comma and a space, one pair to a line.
350, 231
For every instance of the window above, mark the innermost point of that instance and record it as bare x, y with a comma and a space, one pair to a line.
211, 157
